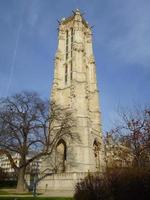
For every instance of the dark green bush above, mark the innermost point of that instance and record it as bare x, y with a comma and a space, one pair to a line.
115, 184
129, 184
8, 184
92, 188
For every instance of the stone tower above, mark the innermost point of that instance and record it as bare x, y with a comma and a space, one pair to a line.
75, 87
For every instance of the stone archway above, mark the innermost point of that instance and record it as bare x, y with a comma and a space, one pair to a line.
61, 155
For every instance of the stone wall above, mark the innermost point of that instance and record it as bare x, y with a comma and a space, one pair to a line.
61, 181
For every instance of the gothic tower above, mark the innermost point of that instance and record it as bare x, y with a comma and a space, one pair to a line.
75, 87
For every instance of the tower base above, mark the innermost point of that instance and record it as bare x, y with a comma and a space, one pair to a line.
61, 183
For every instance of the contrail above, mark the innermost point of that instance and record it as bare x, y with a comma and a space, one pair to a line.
12, 66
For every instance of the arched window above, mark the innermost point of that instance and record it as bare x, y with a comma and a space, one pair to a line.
71, 41
71, 71
96, 149
61, 155
66, 73
67, 39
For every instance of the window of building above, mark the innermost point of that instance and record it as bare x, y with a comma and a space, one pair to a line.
66, 73
67, 38
71, 71
96, 149
71, 41
61, 155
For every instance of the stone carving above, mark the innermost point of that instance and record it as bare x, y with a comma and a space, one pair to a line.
78, 46
59, 55
91, 60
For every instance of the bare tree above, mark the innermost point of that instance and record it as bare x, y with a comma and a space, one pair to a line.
30, 124
133, 133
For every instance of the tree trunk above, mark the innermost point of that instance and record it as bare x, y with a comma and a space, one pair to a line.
21, 185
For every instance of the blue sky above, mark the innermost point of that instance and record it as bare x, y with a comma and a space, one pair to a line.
121, 42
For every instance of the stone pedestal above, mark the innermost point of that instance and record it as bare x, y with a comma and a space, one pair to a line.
60, 182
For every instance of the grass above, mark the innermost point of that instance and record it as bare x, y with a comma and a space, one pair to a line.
35, 198
14, 196
2, 192
14, 193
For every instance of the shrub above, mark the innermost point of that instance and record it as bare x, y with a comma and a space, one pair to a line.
8, 184
115, 184
129, 184
92, 187
3, 175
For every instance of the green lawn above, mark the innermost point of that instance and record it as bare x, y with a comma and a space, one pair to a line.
37, 198
2, 192
15, 196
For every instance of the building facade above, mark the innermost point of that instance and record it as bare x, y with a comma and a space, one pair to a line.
117, 155
5, 165
75, 87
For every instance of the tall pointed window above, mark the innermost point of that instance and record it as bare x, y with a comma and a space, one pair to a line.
71, 71
66, 73
71, 41
96, 149
61, 155
67, 44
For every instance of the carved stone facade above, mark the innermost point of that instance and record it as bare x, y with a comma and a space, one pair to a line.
75, 87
